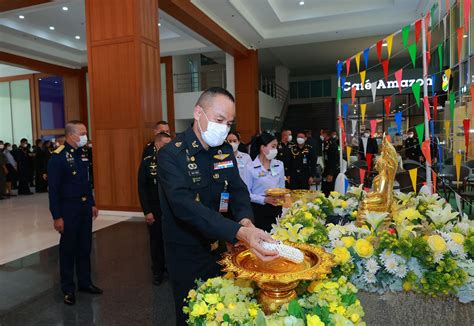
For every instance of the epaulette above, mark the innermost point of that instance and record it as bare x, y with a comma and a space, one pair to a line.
176, 145
58, 150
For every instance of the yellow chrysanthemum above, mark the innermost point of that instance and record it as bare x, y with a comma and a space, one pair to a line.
341, 255
457, 237
364, 248
192, 294
343, 204
348, 241
355, 318
331, 285
314, 320
307, 231
199, 309
211, 298
253, 312
220, 306
406, 286
308, 215
437, 243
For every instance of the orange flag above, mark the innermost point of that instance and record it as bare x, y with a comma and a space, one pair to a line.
353, 94
457, 162
413, 175
426, 150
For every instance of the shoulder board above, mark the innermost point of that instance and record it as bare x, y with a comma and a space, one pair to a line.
58, 150
176, 145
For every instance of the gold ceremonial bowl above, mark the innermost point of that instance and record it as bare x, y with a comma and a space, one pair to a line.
278, 278
278, 193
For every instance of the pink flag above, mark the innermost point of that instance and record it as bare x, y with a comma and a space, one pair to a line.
373, 126
426, 103
398, 76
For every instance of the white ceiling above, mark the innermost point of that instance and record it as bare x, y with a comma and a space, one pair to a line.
32, 36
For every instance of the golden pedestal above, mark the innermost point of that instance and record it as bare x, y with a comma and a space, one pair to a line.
278, 279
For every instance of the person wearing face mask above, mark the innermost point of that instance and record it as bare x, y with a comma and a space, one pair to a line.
72, 207
265, 172
233, 138
412, 147
302, 163
284, 150
24, 168
150, 203
367, 145
200, 181
331, 163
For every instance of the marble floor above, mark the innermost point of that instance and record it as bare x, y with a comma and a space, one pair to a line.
30, 294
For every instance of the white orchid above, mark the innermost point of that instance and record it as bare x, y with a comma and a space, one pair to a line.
375, 218
440, 216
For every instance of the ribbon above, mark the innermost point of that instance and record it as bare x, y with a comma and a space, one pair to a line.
389, 40
426, 103
354, 126
357, 60
432, 130
398, 76
434, 179
398, 120
387, 101
405, 35
412, 51
458, 202
440, 155
420, 130
451, 105
466, 124
339, 69
472, 100
426, 150
338, 96
341, 123
466, 10
416, 88
417, 30
362, 175
447, 72
366, 57
433, 83
413, 175
379, 50
447, 130
348, 153
343, 82
460, 34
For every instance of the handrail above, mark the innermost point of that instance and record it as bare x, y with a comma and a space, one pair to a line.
270, 87
199, 80
278, 120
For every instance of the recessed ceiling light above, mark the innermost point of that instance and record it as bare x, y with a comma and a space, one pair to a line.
21, 17
301, 3
78, 37
65, 8
159, 24
51, 28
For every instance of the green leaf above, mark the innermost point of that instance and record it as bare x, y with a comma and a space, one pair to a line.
226, 318
260, 320
349, 299
323, 313
294, 309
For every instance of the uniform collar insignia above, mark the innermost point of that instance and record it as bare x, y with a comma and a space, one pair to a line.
221, 156
194, 144
178, 144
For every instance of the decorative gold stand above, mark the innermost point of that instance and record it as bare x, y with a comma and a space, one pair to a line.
278, 279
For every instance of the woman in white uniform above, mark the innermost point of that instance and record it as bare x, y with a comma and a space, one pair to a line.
243, 159
263, 173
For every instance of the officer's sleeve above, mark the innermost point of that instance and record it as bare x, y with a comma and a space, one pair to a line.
142, 193
254, 198
239, 196
54, 184
184, 206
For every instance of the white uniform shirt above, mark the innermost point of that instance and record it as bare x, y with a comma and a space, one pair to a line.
243, 160
258, 179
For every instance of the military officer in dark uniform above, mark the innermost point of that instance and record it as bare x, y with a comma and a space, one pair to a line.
412, 147
73, 208
160, 127
24, 168
199, 180
150, 202
302, 163
331, 163
284, 150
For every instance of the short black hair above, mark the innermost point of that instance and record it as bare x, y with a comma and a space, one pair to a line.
161, 123
235, 133
159, 136
261, 140
23, 140
212, 92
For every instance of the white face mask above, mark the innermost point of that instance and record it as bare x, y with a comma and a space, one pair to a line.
410, 135
9, 148
366, 135
215, 134
2, 146
300, 141
272, 153
82, 141
322, 137
235, 146
25, 145
290, 138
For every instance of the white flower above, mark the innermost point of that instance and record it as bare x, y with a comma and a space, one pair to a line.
337, 243
334, 234
391, 265
455, 248
372, 266
401, 271
369, 278
441, 216
405, 198
351, 228
438, 257
375, 218
290, 321
385, 255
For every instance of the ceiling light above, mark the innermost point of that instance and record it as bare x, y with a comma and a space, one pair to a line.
65, 8
51, 28
78, 37
21, 17
465, 35
159, 24
301, 3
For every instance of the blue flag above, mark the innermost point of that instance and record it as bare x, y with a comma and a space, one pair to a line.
343, 81
345, 108
339, 69
433, 79
398, 120
432, 130
346, 184
366, 57
440, 156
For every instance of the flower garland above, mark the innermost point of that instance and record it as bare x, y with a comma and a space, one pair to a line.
427, 248
228, 301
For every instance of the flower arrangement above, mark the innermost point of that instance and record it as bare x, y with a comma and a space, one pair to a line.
426, 248
229, 301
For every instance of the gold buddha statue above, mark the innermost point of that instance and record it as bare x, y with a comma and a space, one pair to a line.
380, 199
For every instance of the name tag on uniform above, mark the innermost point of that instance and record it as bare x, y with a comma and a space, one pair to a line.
224, 202
223, 165
305, 160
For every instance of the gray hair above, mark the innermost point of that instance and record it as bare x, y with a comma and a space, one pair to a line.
71, 126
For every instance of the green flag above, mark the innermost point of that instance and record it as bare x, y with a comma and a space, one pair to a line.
420, 131
338, 99
433, 9
412, 51
405, 34
415, 88
451, 105
440, 56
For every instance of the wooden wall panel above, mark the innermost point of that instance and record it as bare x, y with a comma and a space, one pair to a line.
72, 101
246, 95
151, 85
149, 14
